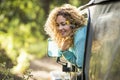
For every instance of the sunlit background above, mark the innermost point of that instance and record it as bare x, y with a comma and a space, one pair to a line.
23, 42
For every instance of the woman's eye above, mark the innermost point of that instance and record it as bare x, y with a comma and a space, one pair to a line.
63, 24
57, 24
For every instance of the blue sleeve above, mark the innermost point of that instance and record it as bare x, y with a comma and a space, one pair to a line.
79, 51
80, 46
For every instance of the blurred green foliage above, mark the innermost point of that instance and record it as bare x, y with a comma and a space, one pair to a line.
21, 27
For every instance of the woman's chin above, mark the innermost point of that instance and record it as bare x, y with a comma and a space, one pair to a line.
63, 36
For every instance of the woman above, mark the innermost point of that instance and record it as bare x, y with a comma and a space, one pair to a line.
66, 26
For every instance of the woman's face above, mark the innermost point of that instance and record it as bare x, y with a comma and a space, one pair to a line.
63, 27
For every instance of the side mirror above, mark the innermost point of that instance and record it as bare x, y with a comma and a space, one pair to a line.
52, 49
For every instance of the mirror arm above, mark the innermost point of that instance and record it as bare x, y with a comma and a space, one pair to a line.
58, 59
60, 62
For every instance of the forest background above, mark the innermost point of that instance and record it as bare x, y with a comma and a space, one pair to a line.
22, 37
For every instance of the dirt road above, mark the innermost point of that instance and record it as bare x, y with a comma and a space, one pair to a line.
41, 68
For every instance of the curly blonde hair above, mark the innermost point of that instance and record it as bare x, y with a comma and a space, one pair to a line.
72, 14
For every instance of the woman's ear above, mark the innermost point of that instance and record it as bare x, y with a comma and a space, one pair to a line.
72, 26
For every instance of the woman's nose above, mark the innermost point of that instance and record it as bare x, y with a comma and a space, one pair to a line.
60, 27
